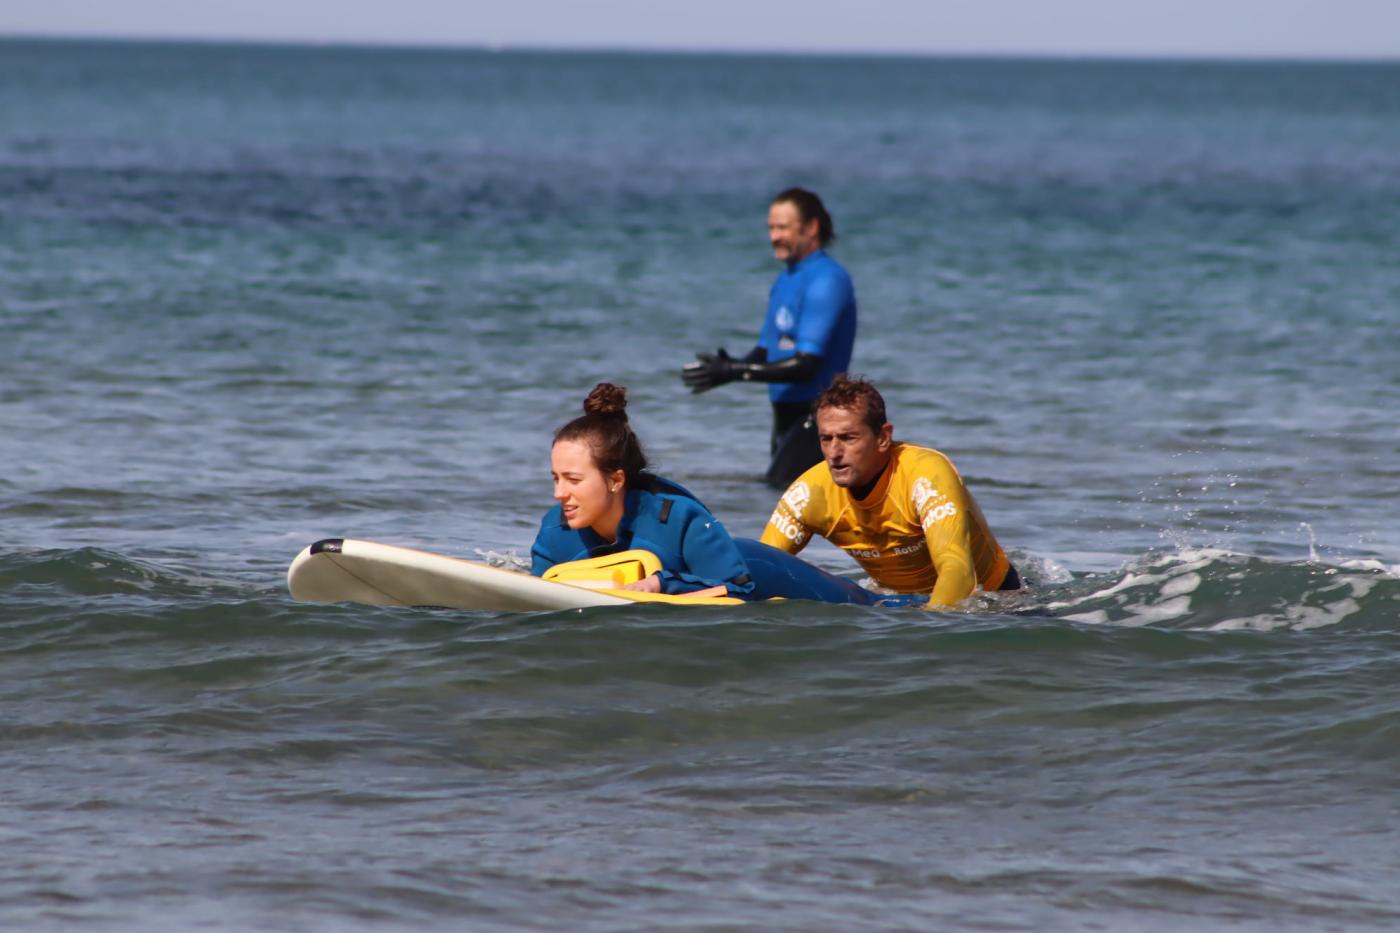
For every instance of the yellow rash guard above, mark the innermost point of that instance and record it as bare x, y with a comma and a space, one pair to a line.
918, 530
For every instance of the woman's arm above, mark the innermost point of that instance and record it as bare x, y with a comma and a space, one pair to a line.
709, 557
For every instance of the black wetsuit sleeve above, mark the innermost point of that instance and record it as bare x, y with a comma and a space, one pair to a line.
715, 369
797, 368
756, 355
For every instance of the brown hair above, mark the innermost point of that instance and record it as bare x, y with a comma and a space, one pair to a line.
809, 208
604, 427
855, 393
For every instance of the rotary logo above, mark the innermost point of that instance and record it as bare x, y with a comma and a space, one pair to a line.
929, 504
797, 497
922, 492
936, 515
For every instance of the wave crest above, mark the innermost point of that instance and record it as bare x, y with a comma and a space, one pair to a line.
1217, 590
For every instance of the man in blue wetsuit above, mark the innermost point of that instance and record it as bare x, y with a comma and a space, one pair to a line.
806, 339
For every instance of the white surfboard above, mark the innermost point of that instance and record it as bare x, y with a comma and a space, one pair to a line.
349, 570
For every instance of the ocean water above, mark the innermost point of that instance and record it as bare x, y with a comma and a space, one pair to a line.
251, 297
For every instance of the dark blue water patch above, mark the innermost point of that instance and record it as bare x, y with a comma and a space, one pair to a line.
264, 136
251, 195
428, 191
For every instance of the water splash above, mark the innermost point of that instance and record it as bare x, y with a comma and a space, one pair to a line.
1220, 590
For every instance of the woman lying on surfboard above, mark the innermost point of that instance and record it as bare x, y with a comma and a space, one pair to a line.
608, 502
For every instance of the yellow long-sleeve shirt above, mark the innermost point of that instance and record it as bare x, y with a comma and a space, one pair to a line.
919, 530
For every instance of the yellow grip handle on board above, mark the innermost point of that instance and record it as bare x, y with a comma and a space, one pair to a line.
610, 572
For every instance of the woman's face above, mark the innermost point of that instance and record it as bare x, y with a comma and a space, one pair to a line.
587, 497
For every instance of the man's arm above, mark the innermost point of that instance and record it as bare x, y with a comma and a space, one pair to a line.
786, 529
943, 509
715, 369
822, 303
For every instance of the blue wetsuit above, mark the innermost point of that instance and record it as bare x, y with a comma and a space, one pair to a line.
694, 549
811, 309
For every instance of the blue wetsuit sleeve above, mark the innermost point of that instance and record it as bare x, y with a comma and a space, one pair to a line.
539, 560
822, 303
711, 559
547, 549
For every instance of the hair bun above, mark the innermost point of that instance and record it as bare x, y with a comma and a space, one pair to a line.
607, 400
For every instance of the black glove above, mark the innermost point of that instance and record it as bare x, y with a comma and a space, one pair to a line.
709, 370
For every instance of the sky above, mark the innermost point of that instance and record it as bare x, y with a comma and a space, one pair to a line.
1345, 29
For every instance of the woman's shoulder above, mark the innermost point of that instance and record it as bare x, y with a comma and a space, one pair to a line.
667, 498
661, 485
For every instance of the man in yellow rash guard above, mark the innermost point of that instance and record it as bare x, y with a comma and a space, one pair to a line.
901, 511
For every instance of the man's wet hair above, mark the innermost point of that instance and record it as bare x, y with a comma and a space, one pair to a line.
855, 393
809, 208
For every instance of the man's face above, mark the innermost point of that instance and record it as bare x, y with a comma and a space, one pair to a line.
854, 453
792, 239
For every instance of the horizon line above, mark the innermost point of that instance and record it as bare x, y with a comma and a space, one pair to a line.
427, 45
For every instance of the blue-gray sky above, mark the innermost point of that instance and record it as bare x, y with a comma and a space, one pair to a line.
1247, 28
